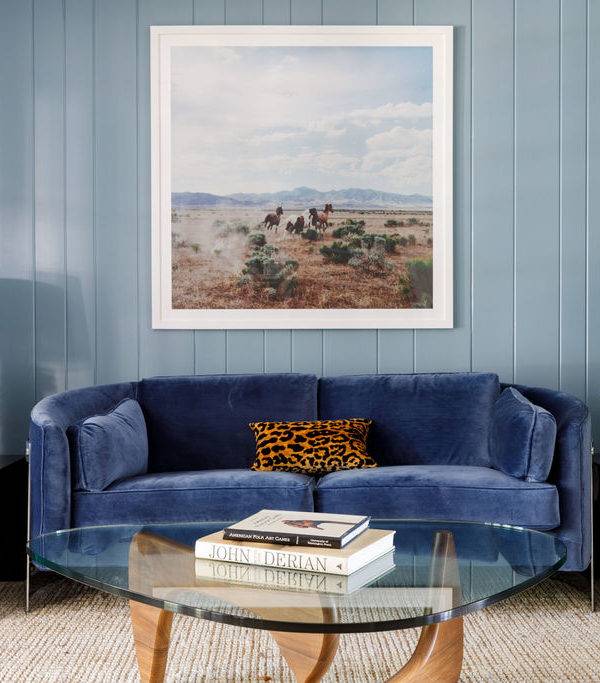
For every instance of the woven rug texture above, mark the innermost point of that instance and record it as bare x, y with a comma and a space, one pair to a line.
74, 633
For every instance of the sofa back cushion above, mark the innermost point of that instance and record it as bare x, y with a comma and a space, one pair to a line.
201, 422
109, 447
522, 437
422, 419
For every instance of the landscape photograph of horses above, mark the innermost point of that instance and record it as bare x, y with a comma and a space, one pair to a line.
301, 177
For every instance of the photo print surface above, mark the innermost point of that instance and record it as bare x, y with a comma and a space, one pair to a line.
302, 177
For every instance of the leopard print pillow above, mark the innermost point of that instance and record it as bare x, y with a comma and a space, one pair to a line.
312, 447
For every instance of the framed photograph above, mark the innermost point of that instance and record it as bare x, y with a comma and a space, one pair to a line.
301, 176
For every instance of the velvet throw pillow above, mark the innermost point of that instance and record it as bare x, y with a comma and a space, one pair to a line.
109, 447
315, 447
522, 437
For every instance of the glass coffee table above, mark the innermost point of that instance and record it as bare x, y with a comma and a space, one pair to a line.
442, 571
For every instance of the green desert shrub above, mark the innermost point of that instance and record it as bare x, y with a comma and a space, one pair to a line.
355, 222
387, 243
349, 227
265, 270
419, 281
391, 242
195, 247
393, 223
337, 252
412, 240
367, 241
257, 240
311, 235
413, 221
380, 243
372, 262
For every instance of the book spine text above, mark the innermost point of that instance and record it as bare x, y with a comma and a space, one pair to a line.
282, 539
267, 557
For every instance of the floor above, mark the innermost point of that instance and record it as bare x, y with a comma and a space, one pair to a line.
75, 633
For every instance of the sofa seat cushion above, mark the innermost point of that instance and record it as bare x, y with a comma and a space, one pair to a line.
424, 419
450, 492
192, 496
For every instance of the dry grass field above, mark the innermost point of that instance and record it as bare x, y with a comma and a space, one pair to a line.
219, 261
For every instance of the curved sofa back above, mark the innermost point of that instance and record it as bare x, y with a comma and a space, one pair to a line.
421, 419
50, 461
201, 422
571, 471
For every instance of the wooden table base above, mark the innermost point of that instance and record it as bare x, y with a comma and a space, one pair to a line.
308, 655
155, 561
151, 634
436, 659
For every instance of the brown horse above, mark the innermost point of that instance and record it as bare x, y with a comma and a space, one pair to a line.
313, 218
272, 219
323, 217
297, 226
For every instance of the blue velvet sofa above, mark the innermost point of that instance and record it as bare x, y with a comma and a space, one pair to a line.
433, 436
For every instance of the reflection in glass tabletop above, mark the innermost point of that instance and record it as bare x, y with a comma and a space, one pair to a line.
441, 571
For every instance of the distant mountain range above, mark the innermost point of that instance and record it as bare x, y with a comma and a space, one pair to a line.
304, 197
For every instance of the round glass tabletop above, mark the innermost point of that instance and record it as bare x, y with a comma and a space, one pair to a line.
438, 570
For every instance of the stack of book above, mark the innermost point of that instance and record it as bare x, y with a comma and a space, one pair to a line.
298, 551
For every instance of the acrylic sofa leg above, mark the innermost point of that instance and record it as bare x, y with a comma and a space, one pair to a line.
592, 563
27, 584
592, 568
27, 560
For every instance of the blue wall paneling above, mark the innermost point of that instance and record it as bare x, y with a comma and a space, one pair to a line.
75, 201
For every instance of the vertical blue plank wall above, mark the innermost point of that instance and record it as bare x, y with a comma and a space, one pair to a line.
75, 200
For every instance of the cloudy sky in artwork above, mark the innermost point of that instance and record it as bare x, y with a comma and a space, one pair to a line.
263, 119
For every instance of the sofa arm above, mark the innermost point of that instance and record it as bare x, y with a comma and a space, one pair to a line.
50, 460
571, 471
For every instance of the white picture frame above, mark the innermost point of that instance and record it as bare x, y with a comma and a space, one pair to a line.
440, 315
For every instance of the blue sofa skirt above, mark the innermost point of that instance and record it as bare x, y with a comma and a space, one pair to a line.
453, 492
192, 496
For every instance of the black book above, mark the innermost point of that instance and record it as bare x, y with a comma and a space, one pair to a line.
283, 527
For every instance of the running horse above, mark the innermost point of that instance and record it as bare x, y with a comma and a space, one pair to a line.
323, 217
272, 219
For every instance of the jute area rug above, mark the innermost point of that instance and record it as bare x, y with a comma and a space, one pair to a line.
78, 634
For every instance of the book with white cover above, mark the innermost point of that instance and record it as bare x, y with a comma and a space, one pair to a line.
369, 545
293, 579
289, 527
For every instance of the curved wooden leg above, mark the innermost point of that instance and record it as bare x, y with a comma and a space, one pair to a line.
439, 652
308, 655
437, 657
151, 633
